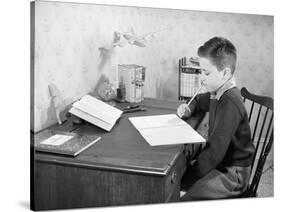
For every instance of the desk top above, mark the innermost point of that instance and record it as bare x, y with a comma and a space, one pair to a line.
123, 148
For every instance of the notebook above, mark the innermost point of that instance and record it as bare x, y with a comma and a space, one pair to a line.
65, 143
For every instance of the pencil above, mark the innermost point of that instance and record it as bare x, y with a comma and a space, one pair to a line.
194, 95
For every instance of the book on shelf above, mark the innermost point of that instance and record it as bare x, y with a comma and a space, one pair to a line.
189, 76
189, 82
96, 112
64, 143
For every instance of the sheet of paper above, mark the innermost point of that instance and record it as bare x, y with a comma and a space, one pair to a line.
57, 140
165, 130
156, 121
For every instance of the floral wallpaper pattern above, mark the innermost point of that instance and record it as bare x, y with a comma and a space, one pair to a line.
68, 37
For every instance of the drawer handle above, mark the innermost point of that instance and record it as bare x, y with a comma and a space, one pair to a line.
173, 178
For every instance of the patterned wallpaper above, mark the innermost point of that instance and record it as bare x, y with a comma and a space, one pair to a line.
68, 35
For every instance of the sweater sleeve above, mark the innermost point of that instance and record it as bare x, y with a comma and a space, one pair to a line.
226, 122
200, 103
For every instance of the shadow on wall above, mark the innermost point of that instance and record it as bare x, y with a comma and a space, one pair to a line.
166, 85
169, 89
48, 117
106, 56
101, 80
58, 106
62, 105
166, 88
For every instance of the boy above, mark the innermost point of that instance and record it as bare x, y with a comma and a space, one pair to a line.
222, 169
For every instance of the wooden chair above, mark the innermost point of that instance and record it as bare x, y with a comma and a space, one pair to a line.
261, 121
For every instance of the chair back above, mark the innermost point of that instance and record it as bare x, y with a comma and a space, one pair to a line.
260, 112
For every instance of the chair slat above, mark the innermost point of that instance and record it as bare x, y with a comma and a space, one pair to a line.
268, 129
261, 164
254, 135
257, 122
263, 123
269, 126
251, 111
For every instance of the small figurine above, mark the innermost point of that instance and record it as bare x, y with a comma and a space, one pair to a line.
60, 106
107, 92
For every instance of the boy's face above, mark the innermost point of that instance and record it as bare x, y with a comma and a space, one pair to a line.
211, 78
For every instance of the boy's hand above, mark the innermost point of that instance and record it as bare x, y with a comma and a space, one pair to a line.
183, 111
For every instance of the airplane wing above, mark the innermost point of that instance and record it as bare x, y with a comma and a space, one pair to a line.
140, 43
151, 35
117, 41
121, 43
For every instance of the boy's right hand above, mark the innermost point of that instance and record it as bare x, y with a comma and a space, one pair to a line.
183, 111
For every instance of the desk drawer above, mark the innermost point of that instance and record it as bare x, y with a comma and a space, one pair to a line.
172, 181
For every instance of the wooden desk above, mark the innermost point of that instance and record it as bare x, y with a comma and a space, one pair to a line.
121, 169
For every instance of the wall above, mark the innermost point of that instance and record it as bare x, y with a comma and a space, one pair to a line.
68, 35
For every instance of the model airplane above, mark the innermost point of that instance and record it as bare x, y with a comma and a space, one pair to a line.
140, 41
123, 38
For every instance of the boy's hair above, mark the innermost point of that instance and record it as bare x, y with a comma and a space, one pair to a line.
220, 51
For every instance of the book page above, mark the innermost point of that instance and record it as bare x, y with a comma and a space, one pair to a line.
156, 121
166, 130
171, 135
57, 140
92, 119
99, 109
102, 106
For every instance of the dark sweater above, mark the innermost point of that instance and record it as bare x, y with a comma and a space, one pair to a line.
229, 142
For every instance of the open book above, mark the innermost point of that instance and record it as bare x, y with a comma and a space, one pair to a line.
96, 112
65, 143
165, 130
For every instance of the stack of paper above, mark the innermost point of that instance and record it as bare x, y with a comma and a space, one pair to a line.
96, 112
165, 130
